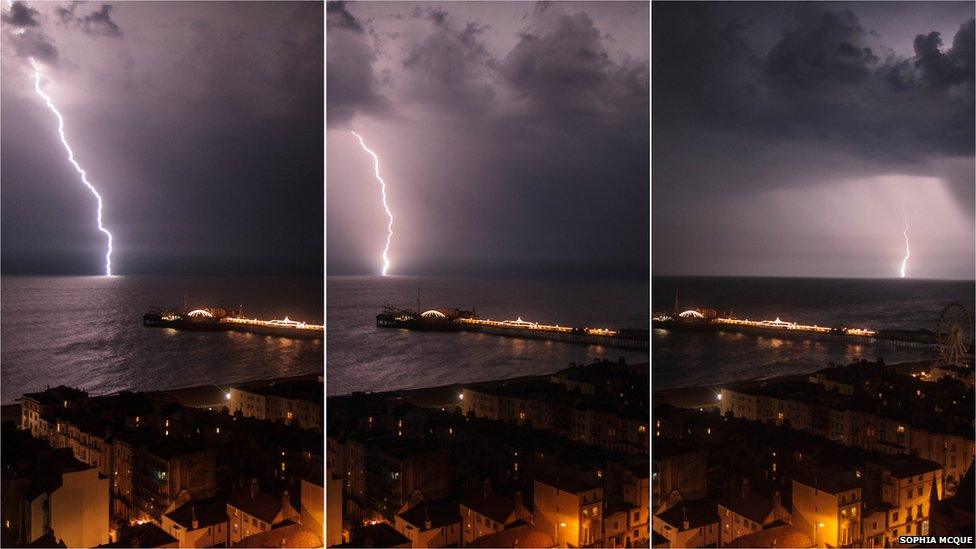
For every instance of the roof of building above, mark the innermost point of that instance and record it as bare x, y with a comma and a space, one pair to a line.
784, 535
56, 395
285, 534
25, 457
166, 447
47, 540
257, 503
830, 481
964, 499
904, 466
698, 513
566, 483
375, 535
753, 506
294, 390
206, 514
142, 535
440, 513
521, 535
496, 507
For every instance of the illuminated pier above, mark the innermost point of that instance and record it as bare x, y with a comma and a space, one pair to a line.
454, 320
698, 320
216, 320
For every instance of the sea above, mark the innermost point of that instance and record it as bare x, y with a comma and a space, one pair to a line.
87, 332
685, 359
363, 357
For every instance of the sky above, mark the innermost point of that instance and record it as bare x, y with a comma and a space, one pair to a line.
200, 124
800, 139
513, 138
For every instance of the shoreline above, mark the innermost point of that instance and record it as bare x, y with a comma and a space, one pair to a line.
703, 396
192, 396
443, 396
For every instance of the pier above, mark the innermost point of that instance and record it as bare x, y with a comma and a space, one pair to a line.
217, 320
455, 320
701, 320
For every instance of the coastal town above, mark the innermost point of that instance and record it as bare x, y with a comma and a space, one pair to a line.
233, 466
861, 455
558, 460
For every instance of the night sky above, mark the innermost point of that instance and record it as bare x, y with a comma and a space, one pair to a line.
787, 138
513, 138
201, 124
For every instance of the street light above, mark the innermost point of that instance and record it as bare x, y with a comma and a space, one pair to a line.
558, 526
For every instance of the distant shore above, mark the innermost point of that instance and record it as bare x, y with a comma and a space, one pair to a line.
703, 396
194, 396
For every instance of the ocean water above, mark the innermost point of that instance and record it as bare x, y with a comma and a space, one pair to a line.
362, 357
686, 358
87, 332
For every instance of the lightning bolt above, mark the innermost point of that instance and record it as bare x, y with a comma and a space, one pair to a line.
904, 262
71, 158
389, 214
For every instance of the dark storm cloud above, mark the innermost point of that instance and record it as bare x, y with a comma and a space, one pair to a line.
352, 84
757, 102
451, 65
519, 144
21, 16
96, 23
567, 74
200, 125
340, 18
22, 31
36, 44
820, 81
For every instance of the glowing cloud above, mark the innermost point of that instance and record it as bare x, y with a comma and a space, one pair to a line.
389, 214
78, 168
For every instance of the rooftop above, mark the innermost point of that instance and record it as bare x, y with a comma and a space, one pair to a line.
142, 535
497, 508
375, 535
56, 396
904, 466
255, 503
566, 483
439, 512
784, 535
752, 506
295, 390
522, 535
206, 514
698, 513
284, 534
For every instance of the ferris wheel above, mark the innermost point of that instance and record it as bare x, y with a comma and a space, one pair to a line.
954, 334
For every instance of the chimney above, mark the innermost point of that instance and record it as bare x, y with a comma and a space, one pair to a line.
427, 524
285, 501
745, 488
254, 487
194, 523
685, 524
777, 501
